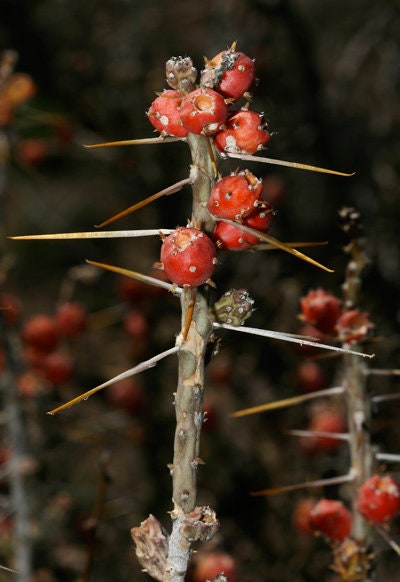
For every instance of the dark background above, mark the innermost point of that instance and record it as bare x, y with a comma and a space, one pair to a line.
329, 88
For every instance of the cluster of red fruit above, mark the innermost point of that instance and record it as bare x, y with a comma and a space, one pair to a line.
324, 312
378, 502
42, 336
188, 255
207, 109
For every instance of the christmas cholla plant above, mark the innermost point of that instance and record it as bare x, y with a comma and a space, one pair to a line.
208, 119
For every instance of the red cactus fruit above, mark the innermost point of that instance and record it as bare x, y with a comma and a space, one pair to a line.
301, 515
57, 367
209, 565
245, 132
325, 421
188, 257
379, 499
203, 111
230, 72
164, 113
228, 237
41, 332
353, 326
235, 196
322, 310
71, 318
331, 518
311, 376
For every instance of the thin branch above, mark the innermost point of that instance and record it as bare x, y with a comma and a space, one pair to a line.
10, 570
297, 244
288, 338
127, 374
139, 277
339, 436
296, 165
276, 243
381, 372
95, 234
383, 533
384, 398
305, 485
388, 458
166, 192
143, 141
285, 402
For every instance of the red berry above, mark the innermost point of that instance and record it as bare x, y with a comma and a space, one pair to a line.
230, 72
245, 132
353, 326
203, 111
188, 256
11, 308
228, 237
57, 367
331, 518
235, 196
128, 395
131, 290
71, 318
33, 151
326, 421
322, 310
311, 376
164, 114
29, 385
301, 515
211, 564
379, 499
41, 332
135, 324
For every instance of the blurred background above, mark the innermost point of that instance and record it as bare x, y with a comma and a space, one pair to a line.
329, 88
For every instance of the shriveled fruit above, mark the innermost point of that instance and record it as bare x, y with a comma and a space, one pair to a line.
379, 499
188, 256
235, 196
203, 111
